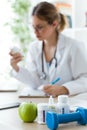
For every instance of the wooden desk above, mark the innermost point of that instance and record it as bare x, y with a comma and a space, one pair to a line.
11, 117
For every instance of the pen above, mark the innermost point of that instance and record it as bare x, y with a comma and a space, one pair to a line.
55, 81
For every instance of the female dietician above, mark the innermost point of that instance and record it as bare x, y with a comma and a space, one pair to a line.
52, 55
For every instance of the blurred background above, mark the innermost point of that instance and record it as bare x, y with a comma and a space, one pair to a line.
16, 30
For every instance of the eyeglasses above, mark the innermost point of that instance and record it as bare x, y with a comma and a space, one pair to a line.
39, 28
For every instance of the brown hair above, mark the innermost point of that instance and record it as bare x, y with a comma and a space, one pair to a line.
48, 12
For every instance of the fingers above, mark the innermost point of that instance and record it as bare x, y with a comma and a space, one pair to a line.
48, 89
15, 54
52, 90
15, 59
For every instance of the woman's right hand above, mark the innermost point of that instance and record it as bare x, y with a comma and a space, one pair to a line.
16, 58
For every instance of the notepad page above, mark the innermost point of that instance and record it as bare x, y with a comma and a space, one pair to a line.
31, 92
8, 87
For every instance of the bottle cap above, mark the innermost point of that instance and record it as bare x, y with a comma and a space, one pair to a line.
51, 100
15, 49
63, 98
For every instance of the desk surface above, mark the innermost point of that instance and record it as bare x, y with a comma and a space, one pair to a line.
11, 117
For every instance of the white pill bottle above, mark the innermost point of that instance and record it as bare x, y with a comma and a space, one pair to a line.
41, 112
62, 105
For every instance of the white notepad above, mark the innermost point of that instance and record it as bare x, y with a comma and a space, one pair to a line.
8, 87
27, 92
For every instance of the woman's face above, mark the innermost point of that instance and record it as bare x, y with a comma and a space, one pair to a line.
42, 29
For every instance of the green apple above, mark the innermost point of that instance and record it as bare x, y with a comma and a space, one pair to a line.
27, 111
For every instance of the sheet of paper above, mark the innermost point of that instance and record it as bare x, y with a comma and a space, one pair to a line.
8, 87
27, 92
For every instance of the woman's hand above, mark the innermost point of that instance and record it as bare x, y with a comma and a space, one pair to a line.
55, 90
16, 58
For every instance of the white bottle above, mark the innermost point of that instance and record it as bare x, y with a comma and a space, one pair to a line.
62, 105
41, 112
51, 105
15, 50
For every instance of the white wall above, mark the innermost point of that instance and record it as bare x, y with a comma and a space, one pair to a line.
5, 37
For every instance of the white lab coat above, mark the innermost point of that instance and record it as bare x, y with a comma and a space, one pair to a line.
72, 66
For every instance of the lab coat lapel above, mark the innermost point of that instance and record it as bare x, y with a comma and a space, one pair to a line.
60, 47
52, 70
45, 65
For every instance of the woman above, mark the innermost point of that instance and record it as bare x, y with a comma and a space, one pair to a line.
52, 55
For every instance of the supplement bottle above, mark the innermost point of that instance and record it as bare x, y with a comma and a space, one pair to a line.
41, 112
62, 105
